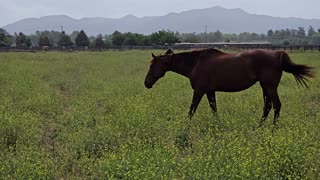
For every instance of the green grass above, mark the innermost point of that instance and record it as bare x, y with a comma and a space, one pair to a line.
88, 115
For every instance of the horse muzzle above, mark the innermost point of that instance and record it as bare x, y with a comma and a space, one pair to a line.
148, 84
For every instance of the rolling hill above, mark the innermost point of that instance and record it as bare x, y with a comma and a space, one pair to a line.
216, 18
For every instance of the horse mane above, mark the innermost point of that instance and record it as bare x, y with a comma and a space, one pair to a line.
191, 57
193, 54
199, 52
208, 50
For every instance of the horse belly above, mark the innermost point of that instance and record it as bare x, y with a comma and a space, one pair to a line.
234, 81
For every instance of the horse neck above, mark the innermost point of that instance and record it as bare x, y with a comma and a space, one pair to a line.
182, 64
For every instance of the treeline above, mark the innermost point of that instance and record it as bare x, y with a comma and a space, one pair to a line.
277, 37
81, 39
295, 36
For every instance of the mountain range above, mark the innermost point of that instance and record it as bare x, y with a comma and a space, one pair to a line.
215, 18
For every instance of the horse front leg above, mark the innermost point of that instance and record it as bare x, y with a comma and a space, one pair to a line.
211, 96
197, 96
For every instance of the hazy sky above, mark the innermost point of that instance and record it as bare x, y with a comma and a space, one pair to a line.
14, 10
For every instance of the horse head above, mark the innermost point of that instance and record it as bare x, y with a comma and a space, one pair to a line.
159, 66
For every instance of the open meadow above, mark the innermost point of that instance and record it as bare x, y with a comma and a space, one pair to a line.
71, 115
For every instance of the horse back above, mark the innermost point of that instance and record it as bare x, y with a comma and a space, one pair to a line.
234, 72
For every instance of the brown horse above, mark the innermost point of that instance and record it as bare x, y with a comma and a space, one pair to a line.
211, 70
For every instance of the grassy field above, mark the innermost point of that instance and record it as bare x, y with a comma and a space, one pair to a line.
88, 115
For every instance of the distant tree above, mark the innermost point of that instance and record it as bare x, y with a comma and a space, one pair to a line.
54, 36
99, 41
73, 35
288, 33
277, 34
44, 41
318, 30
5, 38
65, 40
117, 38
254, 37
263, 36
156, 39
21, 40
92, 41
171, 37
147, 41
28, 42
82, 39
107, 40
301, 32
34, 39
316, 39
3, 31
230, 37
164, 37
40, 41
294, 32
133, 39
2, 36
270, 33
203, 37
305, 42
245, 36
217, 36
283, 33
130, 39
311, 31
286, 43
190, 37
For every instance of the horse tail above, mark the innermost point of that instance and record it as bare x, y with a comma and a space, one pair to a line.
300, 72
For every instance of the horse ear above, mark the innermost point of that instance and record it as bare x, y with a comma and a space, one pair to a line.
169, 51
153, 55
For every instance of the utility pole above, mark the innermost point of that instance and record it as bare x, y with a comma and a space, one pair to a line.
206, 29
61, 28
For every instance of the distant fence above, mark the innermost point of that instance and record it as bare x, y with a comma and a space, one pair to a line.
252, 46
179, 46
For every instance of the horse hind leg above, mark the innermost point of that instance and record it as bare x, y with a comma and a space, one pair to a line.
211, 96
276, 106
266, 108
272, 93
